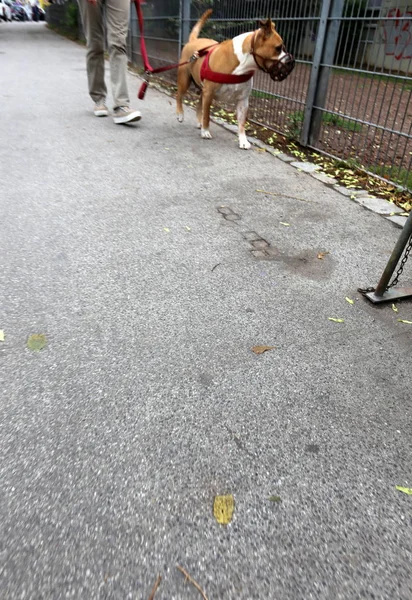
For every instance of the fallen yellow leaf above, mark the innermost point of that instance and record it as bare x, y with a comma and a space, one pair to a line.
349, 300
405, 321
166, 229
261, 349
285, 224
223, 508
321, 255
336, 320
1, 335
404, 490
188, 228
394, 308
36, 341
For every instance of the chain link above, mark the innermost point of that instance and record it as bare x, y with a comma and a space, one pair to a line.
365, 291
408, 250
401, 266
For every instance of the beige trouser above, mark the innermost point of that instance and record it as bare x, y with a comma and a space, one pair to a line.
117, 23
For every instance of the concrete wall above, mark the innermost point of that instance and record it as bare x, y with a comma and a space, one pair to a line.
392, 45
308, 43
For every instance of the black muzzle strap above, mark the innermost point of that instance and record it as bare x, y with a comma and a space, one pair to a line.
277, 69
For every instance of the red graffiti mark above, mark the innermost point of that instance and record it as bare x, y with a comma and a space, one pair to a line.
398, 35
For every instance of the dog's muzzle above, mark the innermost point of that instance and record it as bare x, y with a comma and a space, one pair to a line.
280, 69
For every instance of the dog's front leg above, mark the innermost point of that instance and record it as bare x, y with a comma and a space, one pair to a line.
199, 111
183, 84
207, 97
242, 110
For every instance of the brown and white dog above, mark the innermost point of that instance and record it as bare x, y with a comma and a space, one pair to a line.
236, 59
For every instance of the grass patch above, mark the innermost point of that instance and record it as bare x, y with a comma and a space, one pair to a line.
265, 95
296, 119
406, 85
398, 175
341, 123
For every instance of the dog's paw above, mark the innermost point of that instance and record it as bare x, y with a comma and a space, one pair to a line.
243, 143
180, 117
198, 125
205, 133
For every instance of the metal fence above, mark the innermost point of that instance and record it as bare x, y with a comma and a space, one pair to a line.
350, 93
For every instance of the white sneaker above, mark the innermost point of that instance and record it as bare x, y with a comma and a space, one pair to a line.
124, 114
100, 109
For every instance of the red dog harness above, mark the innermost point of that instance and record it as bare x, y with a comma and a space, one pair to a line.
278, 71
207, 73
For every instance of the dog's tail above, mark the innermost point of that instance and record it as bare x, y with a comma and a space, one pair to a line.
194, 34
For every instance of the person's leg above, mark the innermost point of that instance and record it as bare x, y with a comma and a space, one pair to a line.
117, 21
92, 19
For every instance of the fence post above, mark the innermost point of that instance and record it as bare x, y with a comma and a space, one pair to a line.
185, 30
326, 44
180, 32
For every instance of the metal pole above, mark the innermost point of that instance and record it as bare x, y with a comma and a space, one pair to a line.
186, 20
395, 257
328, 58
179, 43
314, 75
381, 294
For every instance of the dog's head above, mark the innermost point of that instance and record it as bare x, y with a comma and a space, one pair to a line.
269, 52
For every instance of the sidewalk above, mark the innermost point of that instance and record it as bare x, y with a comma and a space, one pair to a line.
147, 401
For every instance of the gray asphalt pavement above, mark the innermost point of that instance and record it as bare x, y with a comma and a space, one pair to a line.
147, 401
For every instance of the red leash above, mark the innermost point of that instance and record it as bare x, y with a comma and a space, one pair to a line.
147, 67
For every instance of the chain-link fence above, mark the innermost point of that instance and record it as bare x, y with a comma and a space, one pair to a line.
350, 93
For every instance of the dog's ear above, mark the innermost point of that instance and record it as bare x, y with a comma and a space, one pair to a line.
267, 27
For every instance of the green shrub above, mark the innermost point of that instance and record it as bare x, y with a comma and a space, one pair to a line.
71, 19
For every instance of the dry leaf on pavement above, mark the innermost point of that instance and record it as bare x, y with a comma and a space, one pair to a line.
322, 255
336, 320
261, 349
275, 499
36, 341
223, 508
404, 490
